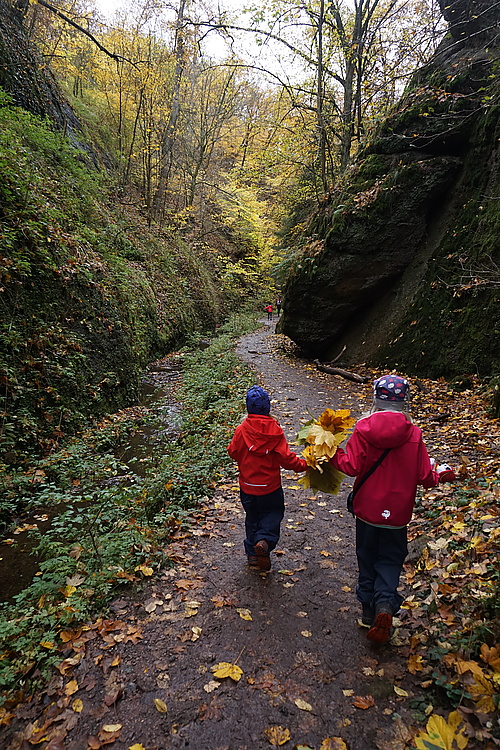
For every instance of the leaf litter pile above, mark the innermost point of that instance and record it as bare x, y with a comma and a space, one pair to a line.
213, 656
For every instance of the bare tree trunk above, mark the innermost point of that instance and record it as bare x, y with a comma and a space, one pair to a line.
169, 136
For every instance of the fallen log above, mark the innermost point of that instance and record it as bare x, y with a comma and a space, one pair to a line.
343, 373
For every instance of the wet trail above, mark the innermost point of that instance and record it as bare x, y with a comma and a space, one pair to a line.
144, 678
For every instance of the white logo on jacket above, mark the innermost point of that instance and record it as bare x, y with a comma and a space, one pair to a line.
386, 514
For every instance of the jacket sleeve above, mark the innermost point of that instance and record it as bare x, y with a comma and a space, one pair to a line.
426, 476
350, 460
288, 459
232, 448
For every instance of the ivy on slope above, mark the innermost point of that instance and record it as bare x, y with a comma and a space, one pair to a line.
88, 292
110, 526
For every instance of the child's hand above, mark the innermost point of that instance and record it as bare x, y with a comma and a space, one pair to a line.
446, 473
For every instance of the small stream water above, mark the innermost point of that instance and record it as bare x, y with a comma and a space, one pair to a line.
18, 565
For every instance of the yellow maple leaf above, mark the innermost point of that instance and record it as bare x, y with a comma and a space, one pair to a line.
226, 669
441, 734
311, 458
333, 743
338, 420
317, 435
277, 735
482, 691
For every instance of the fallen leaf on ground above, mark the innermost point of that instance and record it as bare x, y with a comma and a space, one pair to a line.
303, 705
77, 706
333, 743
363, 701
277, 735
211, 686
137, 746
306, 633
399, 691
441, 734
245, 614
111, 728
161, 706
226, 669
71, 687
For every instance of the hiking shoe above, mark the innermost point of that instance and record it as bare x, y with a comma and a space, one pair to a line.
252, 561
262, 552
381, 628
368, 615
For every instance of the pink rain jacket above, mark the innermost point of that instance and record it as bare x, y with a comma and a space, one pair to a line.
388, 495
260, 448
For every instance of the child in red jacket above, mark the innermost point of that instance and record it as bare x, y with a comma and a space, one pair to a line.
260, 448
386, 439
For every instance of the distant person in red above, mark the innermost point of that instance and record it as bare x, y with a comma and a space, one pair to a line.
260, 448
388, 457
278, 306
269, 310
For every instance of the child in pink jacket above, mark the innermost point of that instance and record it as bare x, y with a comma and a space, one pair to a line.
383, 501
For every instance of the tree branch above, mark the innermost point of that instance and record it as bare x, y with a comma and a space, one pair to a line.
75, 25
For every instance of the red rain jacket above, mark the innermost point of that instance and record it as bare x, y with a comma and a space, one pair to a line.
388, 495
260, 448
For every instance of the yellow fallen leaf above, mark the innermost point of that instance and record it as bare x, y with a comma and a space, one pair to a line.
226, 669
245, 614
137, 746
196, 633
346, 588
47, 644
306, 633
71, 687
112, 728
145, 570
277, 736
77, 706
161, 706
441, 734
348, 693
333, 743
303, 705
68, 590
325, 553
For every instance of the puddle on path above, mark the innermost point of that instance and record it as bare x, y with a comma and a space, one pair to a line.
17, 565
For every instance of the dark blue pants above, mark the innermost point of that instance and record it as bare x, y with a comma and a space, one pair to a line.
263, 517
381, 554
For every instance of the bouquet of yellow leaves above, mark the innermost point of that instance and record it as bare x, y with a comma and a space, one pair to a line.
322, 437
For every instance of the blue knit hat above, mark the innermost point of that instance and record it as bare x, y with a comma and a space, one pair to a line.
258, 401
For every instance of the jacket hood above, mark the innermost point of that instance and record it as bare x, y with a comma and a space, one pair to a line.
386, 429
261, 434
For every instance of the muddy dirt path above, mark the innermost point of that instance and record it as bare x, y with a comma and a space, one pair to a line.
144, 678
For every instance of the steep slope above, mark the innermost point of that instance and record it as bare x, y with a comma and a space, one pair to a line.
400, 264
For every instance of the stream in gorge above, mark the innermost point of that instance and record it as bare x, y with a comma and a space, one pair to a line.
157, 399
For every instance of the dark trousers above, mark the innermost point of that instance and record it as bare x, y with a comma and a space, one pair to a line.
263, 517
381, 553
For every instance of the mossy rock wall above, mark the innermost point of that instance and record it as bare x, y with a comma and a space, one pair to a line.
400, 264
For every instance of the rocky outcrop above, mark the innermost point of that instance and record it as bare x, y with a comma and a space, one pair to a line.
398, 263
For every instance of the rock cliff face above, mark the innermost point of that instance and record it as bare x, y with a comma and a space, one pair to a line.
401, 262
